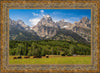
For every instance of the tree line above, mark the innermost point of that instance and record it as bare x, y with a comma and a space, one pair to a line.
48, 47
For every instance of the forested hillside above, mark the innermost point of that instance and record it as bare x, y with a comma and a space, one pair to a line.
48, 47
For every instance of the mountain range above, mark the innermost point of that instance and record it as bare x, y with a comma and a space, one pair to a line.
47, 28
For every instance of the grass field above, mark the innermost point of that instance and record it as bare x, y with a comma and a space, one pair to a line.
52, 60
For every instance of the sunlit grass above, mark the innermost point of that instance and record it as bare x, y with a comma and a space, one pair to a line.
52, 60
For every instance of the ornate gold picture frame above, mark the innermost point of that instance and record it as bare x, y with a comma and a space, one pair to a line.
68, 4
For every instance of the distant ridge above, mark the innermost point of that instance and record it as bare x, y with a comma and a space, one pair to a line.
46, 28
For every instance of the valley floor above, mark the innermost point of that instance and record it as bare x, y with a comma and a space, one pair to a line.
52, 60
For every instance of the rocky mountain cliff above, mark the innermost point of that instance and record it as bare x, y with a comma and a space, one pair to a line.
84, 22
18, 24
20, 31
83, 28
64, 25
46, 28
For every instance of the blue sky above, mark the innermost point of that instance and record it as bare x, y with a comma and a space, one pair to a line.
32, 16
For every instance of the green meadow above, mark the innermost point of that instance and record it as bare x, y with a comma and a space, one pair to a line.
52, 60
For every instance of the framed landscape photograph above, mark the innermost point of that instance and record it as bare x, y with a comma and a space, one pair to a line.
49, 36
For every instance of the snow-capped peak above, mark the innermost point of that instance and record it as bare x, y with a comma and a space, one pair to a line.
46, 16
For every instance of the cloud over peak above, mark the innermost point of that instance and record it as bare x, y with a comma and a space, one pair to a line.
37, 17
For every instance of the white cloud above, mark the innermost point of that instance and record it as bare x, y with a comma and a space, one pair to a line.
42, 11
35, 14
34, 21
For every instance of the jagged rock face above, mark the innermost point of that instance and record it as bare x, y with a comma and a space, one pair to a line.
47, 21
22, 24
68, 35
12, 22
46, 27
83, 28
18, 31
65, 25
44, 31
84, 22
18, 24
